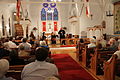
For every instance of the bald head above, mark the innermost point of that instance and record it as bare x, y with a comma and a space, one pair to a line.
4, 66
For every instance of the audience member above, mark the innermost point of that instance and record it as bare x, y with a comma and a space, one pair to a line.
118, 52
26, 45
43, 44
113, 46
5, 44
92, 43
32, 41
80, 43
103, 42
3, 52
39, 70
14, 59
22, 51
4, 66
11, 44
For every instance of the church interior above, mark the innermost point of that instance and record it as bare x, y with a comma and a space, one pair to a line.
82, 38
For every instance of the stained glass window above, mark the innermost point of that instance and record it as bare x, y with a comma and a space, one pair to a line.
43, 14
55, 14
49, 14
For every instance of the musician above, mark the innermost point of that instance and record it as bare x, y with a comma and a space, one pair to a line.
53, 38
62, 35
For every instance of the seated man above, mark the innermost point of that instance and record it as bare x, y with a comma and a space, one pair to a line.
3, 52
26, 45
117, 64
10, 44
39, 70
118, 52
92, 44
4, 66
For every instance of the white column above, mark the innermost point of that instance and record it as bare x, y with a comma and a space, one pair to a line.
24, 26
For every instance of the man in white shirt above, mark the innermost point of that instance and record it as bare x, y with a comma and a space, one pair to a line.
10, 44
92, 43
39, 70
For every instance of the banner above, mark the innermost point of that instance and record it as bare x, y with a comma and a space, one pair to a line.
55, 26
44, 26
87, 8
18, 9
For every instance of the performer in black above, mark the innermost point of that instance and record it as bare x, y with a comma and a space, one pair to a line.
53, 38
62, 35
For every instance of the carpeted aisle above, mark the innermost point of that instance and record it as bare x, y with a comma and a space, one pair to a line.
70, 69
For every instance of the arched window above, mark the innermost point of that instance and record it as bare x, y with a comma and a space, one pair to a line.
55, 14
43, 14
3, 26
9, 27
49, 14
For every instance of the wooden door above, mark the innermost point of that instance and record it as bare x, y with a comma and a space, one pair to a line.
18, 30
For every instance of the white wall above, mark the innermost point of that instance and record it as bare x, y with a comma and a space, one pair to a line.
98, 10
5, 10
64, 11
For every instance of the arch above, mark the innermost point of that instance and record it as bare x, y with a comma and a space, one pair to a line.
9, 27
43, 14
55, 14
49, 14
3, 26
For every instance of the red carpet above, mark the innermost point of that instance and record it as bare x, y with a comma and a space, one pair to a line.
70, 69
67, 45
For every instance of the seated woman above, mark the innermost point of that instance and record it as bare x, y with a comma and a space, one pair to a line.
14, 59
4, 66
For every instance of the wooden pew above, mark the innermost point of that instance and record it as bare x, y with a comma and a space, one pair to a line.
109, 68
67, 40
117, 68
16, 67
86, 56
98, 58
15, 71
79, 50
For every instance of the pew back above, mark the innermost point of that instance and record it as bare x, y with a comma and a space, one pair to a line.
109, 68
